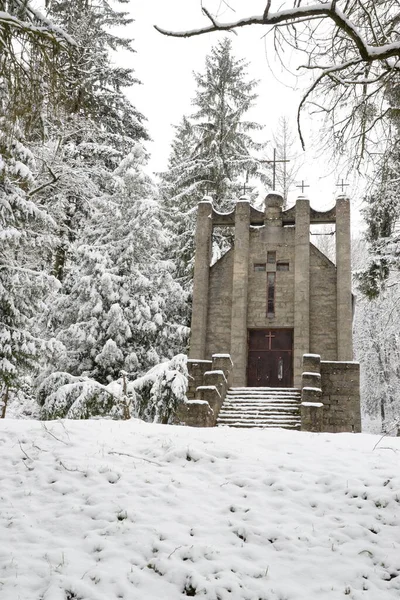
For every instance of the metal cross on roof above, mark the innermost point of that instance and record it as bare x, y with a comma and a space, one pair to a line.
273, 162
342, 185
302, 186
244, 183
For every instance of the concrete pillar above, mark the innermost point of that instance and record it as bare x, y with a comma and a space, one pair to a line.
273, 229
239, 293
273, 210
343, 271
200, 280
301, 341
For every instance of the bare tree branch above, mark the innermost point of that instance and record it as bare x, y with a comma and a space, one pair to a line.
54, 180
348, 48
327, 10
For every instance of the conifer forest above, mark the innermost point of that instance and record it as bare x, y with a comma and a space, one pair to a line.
97, 251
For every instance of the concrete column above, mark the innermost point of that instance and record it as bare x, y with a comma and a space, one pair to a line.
200, 280
273, 210
343, 271
239, 292
273, 229
301, 340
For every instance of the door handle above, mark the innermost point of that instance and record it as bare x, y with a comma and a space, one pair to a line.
280, 369
258, 375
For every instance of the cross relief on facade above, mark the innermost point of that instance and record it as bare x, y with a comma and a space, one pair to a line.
270, 336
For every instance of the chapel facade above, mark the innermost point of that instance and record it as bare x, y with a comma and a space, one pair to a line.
274, 298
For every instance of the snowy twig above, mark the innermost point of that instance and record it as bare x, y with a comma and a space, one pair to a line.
395, 426
68, 469
65, 429
23, 451
173, 551
154, 462
48, 183
54, 436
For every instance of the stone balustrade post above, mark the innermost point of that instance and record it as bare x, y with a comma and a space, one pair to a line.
223, 362
312, 407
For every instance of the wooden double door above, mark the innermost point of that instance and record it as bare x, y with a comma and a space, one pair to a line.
270, 358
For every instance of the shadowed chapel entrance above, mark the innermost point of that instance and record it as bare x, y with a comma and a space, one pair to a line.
270, 362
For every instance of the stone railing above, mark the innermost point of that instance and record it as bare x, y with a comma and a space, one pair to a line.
209, 381
311, 394
341, 396
330, 395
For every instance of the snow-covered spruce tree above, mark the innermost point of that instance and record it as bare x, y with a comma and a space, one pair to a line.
96, 83
159, 393
27, 40
153, 397
63, 396
120, 307
25, 234
179, 206
95, 125
213, 153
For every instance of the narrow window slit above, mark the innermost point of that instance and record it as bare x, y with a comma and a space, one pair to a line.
270, 294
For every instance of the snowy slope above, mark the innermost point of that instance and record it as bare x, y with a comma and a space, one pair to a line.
217, 513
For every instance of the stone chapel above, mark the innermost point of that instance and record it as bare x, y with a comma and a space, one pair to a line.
274, 313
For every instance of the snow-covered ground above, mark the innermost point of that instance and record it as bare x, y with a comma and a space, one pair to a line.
100, 510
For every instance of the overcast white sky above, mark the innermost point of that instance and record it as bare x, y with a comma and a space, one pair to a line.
165, 66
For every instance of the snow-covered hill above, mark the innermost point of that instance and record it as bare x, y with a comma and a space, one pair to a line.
102, 510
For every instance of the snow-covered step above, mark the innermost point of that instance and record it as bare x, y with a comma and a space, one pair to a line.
261, 408
255, 411
257, 425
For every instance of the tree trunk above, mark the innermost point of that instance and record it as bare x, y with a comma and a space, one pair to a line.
5, 402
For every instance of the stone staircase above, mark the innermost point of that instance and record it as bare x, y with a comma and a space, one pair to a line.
261, 407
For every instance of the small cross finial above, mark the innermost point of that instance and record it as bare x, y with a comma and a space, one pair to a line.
342, 185
208, 184
244, 183
302, 186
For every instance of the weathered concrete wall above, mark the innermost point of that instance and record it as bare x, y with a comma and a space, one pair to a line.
323, 339
210, 381
340, 382
218, 338
260, 244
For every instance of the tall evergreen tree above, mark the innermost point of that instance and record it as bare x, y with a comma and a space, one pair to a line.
213, 152
96, 125
120, 307
28, 74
